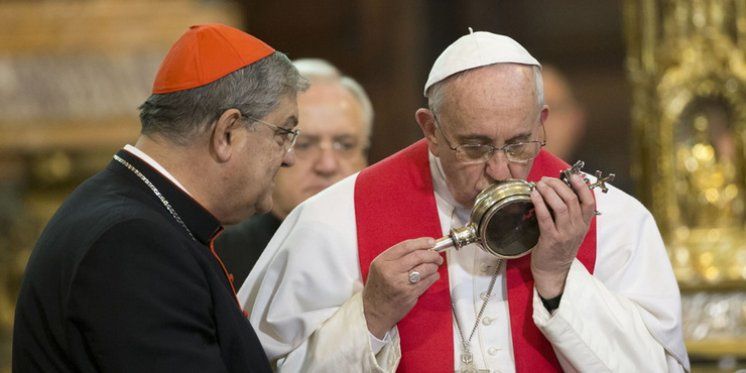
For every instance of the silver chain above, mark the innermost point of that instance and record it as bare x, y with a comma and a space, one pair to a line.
465, 343
156, 192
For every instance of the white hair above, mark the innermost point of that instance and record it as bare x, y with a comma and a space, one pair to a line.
315, 69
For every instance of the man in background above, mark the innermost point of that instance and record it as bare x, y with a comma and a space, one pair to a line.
124, 277
567, 124
336, 117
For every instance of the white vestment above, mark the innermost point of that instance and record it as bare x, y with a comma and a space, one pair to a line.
304, 295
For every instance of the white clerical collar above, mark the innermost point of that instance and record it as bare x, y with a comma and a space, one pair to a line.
146, 158
441, 189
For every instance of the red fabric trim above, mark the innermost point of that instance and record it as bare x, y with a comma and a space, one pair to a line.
228, 276
397, 194
394, 201
531, 350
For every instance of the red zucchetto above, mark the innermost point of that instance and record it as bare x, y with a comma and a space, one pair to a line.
206, 53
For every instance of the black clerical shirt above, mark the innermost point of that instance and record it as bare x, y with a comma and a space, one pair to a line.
116, 284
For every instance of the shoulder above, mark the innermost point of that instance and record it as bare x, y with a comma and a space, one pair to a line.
625, 227
92, 215
616, 205
138, 255
318, 236
315, 246
323, 223
619, 204
335, 202
103, 201
623, 220
139, 241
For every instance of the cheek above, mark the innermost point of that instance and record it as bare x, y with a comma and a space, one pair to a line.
288, 180
273, 163
282, 179
285, 187
460, 174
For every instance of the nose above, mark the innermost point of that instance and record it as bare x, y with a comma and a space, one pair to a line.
288, 159
326, 164
497, 167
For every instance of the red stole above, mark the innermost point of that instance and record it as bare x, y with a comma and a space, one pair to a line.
394, 201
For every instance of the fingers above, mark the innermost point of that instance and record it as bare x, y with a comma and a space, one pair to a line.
406, 247
425, 283
543, 216
390, 290
555, 211
565, 204
560, 198
425, 270
421, 256
587, 202
400, 260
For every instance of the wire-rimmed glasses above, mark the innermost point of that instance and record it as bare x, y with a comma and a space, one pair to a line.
288, 136
518, 152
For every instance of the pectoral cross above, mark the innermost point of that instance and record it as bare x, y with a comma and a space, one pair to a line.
467, 362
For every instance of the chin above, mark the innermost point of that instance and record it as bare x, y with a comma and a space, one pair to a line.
261, 210
264, 206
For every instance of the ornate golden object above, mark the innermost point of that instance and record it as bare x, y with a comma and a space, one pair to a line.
687, 64
503, 221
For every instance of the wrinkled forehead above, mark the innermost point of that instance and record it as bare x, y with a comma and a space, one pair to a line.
329, 108
501, 92
324, 88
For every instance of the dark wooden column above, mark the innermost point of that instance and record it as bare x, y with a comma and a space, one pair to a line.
377, 42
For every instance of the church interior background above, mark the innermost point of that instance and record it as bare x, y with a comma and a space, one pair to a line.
663, 84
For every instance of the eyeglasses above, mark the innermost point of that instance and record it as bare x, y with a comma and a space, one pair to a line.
288, 136
517, 152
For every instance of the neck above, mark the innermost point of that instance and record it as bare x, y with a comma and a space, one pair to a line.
186, 164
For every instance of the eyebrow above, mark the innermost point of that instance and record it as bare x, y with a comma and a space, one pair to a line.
519, 137
486, 139
339, 137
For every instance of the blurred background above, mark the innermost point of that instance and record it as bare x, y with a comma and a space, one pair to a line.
654, 91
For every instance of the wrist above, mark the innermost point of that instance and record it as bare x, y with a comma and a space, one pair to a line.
375, 325
549, 284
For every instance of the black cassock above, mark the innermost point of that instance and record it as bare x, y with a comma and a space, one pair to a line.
116, 284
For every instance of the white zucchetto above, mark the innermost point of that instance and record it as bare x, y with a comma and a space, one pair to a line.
477, 49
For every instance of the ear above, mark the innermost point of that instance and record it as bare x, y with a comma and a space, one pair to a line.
224, 134
544, 114
426, 121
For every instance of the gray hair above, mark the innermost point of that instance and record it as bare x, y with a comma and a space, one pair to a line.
255, 90
435, 94
316, 69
